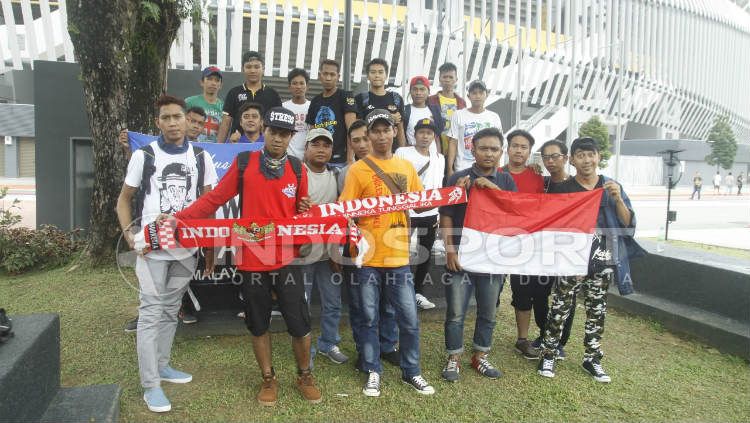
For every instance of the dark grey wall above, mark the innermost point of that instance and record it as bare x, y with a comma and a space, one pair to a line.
59, 116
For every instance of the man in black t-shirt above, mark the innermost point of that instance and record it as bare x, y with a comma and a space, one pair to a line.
252, 89
378, 98
334, 110
615, 214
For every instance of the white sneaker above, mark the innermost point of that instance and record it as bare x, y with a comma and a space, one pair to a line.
372, 387
424, 303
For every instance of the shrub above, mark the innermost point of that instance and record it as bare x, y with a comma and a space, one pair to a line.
23, 249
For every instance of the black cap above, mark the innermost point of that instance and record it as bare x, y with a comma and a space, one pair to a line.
379, 114
477, 84
280, 117
425, 123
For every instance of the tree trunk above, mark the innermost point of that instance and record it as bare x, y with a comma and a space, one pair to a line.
123, 57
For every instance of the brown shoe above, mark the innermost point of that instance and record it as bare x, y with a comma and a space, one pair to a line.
306, 386
527, 350
269, 391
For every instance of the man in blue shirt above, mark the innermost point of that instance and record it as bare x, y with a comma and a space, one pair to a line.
487, 147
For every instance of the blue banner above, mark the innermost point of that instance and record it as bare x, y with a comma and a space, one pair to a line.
222, 154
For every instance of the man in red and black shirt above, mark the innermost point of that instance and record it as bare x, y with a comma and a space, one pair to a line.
273, 185
528, 291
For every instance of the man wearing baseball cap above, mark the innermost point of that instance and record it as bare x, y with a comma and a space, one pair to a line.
210, 102
318, 265
430, 166
419, 90
274, 185
252, 89
464, 124
385, 270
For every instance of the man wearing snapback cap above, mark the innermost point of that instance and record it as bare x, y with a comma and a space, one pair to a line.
210, 102
419, 90
386, 265
281, 182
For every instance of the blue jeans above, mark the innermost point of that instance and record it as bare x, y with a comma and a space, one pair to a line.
397, 286
388, 330
329, 288
487, 289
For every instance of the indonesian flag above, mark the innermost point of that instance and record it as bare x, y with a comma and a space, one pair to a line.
529, 234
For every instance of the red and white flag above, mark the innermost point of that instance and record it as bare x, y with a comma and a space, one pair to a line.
529, 234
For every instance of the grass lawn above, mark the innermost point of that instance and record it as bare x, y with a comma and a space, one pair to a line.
656, 376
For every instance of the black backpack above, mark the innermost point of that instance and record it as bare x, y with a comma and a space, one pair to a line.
149, 169
244, 157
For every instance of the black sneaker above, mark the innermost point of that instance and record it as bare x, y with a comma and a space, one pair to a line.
451, 370
561, 353
546, 367
131, 326
393, 357
419, 384
595, 369
6, 326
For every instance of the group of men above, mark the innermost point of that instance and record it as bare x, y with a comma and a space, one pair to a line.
343, 147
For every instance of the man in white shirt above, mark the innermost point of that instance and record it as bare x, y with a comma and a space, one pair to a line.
319, 268
430, 167
299, 105
467, 122
167, 176
717, 183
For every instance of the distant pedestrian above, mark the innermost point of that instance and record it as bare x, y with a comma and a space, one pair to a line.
697, 184
729, 182
717, 183
739, 183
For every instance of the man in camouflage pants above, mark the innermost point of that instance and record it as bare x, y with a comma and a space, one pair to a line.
615, 214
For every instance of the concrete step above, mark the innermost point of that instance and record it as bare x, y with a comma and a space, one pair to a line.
726, 334
30, 367
88, 404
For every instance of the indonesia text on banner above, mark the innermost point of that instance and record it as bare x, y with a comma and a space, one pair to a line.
244, 232
529, 234
374, 206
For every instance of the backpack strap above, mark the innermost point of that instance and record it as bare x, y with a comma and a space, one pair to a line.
200, 164
386, 178
146, 173
242, 159
297, 168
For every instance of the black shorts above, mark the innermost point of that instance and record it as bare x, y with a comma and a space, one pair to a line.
289, 287
528, 288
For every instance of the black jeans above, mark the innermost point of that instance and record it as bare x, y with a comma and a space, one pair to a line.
425, 227
532, 292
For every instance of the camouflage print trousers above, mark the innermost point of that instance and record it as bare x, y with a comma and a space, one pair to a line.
594, 290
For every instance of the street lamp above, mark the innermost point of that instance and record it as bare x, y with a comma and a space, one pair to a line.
671, 160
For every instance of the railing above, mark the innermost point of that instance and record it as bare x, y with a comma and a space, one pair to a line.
682, 62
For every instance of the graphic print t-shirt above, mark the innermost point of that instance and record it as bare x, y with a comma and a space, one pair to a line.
213, 116
387, 234
297, 144
266, 97
173, 186
391, 101
328, 113
464, 124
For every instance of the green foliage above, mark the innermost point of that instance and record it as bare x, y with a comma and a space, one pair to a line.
150, 11
23, 249
594, 128
723, 144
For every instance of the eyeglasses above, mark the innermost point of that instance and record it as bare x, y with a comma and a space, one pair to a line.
552, 156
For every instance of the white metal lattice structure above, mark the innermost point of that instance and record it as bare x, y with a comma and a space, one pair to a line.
683, 61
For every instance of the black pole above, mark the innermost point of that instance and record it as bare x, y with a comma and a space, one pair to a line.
669, 200
347, 59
